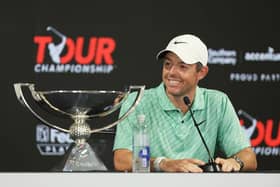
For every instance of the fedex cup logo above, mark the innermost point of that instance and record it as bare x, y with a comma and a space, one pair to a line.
93, 55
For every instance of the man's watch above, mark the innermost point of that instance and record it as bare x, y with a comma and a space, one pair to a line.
239, 161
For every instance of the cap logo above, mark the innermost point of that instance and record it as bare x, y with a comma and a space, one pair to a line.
178, 42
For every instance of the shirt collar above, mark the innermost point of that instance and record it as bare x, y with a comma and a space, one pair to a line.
199, 102
166, 104
164, 101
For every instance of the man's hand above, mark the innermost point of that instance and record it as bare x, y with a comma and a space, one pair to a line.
247, 156
228, 165
182, 165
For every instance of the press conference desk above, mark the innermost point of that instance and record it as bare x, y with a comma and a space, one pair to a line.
96, 179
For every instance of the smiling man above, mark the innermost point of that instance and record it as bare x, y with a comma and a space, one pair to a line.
174, 140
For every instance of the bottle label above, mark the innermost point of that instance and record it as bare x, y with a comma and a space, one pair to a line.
144, 156
141, 159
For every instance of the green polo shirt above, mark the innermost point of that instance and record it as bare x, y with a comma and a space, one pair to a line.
174, 135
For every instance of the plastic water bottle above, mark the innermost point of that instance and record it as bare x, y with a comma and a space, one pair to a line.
141, 148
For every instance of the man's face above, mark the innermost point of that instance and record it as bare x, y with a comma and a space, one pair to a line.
180, 79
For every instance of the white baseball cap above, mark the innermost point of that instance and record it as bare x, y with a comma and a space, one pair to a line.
189, 48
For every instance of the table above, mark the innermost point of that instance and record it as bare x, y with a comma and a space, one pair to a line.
94, 179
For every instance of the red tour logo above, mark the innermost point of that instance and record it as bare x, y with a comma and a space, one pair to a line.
264, 136
97, 58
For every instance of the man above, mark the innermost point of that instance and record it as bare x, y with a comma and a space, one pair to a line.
174, 141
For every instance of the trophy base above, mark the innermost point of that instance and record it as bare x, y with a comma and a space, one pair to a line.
81, 157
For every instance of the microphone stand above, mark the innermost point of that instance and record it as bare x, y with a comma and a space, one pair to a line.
211, 166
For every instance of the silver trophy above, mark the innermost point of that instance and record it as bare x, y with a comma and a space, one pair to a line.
80, 106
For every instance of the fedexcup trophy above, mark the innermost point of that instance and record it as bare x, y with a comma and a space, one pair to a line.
80, 106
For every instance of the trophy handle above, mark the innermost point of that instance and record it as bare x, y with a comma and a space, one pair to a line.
22, 100
139, 96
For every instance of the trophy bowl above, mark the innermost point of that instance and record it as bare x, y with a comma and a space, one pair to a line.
80, 106
79, 102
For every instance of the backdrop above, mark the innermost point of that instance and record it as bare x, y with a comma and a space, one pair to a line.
112, 44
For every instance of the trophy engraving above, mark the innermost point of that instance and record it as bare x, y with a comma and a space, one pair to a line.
80, 106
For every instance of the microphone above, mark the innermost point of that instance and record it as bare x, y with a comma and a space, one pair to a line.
211, 166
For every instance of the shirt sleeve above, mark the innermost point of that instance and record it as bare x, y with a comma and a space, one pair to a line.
123, 137
231, 136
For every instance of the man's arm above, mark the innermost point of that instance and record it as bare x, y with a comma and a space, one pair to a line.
123, 160
181, 165
247, 156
